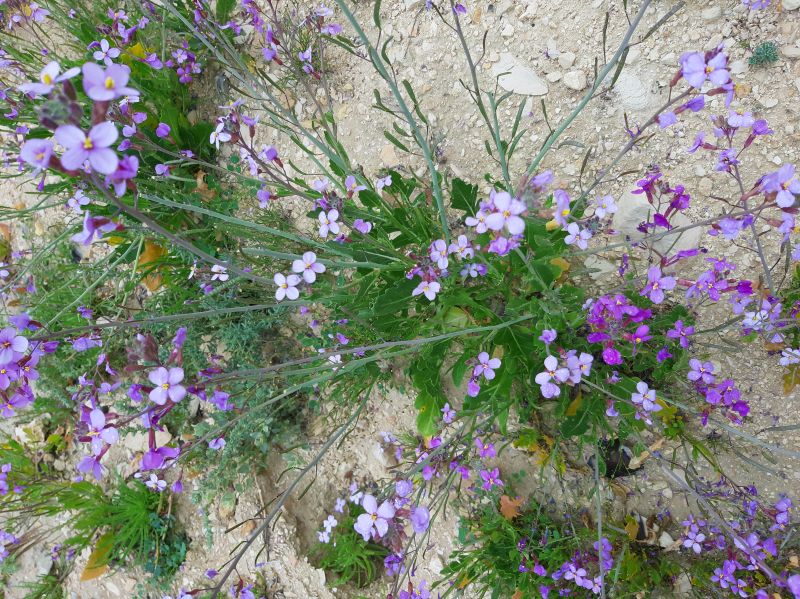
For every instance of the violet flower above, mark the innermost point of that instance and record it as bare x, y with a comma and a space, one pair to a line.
491, 478
287, 286
420, 519
99, 433
109, 84
681, 333
106, 53
507, 214
166, 385
701, 371
552, 375
48, 77
93, 147
657, 284
696, 70
375, 522
784, 183
12, 345
485, 450
308, 266
327, 223
428, 288
163, 130
486, 366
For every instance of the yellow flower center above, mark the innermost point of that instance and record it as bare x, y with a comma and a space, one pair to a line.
506, 213
638, 340
655, 285
709, 69
565, 211
87, 144
47, 79
374, 517
165, 385
109, 83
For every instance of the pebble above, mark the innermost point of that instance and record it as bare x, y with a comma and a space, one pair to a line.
712, 13
518, 78
738, 67
566, 60
790, 51
508, 31
575, 80
705, 186
553, 77
791, 4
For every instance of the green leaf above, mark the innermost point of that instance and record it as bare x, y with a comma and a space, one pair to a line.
464, 196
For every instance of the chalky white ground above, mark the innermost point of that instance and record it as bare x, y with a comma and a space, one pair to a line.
550, 47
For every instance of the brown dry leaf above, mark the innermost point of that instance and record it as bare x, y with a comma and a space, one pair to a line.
5, 231
742, 90
510, 507
476, 15
791, 379
561, 263
637, 460
631, 527
248, 527
202, 188
97, 565
773, 346
794, 561
152, 253
517, 594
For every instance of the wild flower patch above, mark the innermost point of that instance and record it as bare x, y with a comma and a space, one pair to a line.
189, 265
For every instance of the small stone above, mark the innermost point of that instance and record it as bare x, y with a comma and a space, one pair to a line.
566, 60
503, 7
517, 77
553, 77
508, 31
705, 186
599, 268
635, 209
791, 4
389, 156
631, 92
737, 67
575, 80
712, 13
665, 540
797, 84
790, 51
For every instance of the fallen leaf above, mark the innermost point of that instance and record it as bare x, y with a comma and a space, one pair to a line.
510, 507
147, 262
517, 594
202, 187
637, 460
631, 527
573, 406
97, 565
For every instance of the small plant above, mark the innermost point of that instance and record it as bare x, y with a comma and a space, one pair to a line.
764, 54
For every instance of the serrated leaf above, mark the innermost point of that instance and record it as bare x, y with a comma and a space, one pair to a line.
510, 507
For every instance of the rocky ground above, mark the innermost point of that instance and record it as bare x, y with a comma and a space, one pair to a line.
546, 51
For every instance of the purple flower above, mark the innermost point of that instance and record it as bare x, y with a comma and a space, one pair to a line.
793, 584
694, 538
696, 70
473, 388
162, 130
605, 206
327, 223
287, 286
376, 520
656, 285
12, 345
548, 336
579, 366
109, 84
127, 169
507, 214
665, 119
99, 433
681, 333
48, 77
491, 478
156, 458
166, 385
485, 450
783, 183
217, 443
308, 266
37, 153
578, 236
91, 464
362, 226
701, 371
351, 184
478, 221
438, 253
428, 288
552, 373
448, 414
485, 366
93, 147
420, 519
740, 118
645, 397
106, 53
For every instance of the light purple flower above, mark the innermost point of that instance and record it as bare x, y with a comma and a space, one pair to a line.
740, 118
375, 522
462, 247
12, 345
166, 385
478, 221
696, 71
701, 371
485, 450
163, 130
219, 135
37, 153
552, 375
109, 84
548, 336
448, 414
681, 333
308, 266
784, 184
693, 540
645, 397
362, 226
605, 206
579, 366
657, 284
665, 119
327, 223
507, 214
486, 366
217, 443
106, 53
428, 288
438, 253
48, 77
578, 236
287, 286
155, 484
219, 273
98, 431
351, 184
93, 147
420, 519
